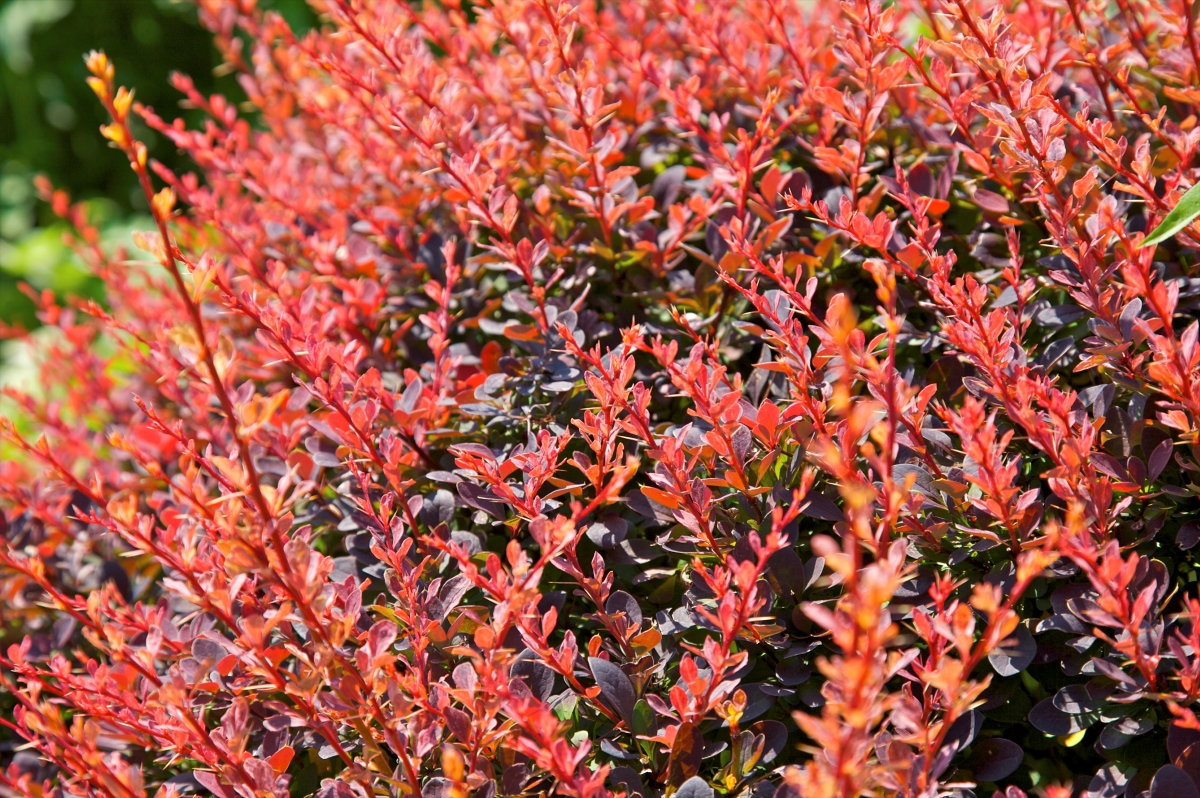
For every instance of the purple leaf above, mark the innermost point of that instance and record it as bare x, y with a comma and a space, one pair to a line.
621, 602
994, 759
1171, 782
536, 676
1159, 458
1014, 654
1109, 782
775, 737
615, 687
1048, 718
606, 533
816, 505
991, 202
1179, 740
695, 787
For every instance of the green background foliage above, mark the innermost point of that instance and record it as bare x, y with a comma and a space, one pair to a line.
49, 122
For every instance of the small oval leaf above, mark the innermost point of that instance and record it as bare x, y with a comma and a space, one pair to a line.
695, 787
1014, 654
615, 687
995, 758
1171, 782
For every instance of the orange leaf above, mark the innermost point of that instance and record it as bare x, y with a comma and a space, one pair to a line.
937, 207
276, 655
282, 758
647, 640
490, 357
662, 497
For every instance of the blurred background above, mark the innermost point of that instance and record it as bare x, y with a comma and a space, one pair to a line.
49, 122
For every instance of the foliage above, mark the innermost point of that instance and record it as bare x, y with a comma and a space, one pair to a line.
759, 398
48, 120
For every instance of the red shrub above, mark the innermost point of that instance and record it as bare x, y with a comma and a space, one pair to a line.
756, 397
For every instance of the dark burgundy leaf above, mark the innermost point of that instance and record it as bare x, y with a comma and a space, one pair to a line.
793, 671
1090, 612
449, 596
63, 631
1159, 458
947, 374
1014, 654
621, 602
615, 751
1109, 465
537, 677
1129, 314
1189, 761
667, 185
615, 687
643, 505
1074, 699
1054, 351
606, 533
1179, 740
112, 572
788, 568
1097, 397
686, 755
695, 787
963, 731
994, 759
922, 481
1137, 470
1047, 718
437, 787
920, 179
515, 776
1171, 782
627, 776
775, 736
816, 505
1109, 782
459, 723
1059, 316
715, 242
323, 452
742, 439
1113, 671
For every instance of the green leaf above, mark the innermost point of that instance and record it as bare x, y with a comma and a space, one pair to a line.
564, 710
643, 718
1180, 217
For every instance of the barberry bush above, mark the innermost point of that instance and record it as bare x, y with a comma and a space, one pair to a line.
635, 397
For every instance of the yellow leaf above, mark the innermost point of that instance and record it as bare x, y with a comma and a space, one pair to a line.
115, 134
122, 102
99, 87
164, 203
1071, 740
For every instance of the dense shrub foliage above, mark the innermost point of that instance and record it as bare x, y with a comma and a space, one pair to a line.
645, 397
